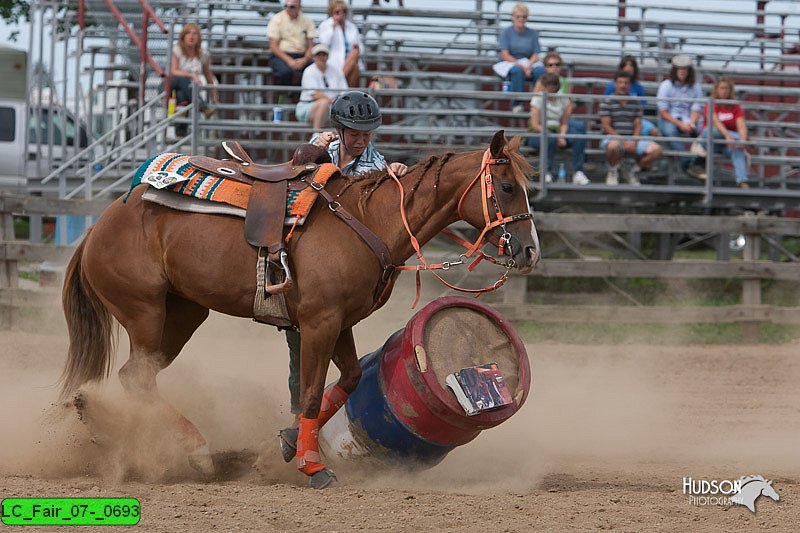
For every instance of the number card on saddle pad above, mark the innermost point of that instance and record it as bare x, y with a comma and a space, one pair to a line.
479, 388
173, 172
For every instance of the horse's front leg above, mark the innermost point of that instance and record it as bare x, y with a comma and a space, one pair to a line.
316, 349
346, 360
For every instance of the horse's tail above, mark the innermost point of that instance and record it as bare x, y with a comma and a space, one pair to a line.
89, 322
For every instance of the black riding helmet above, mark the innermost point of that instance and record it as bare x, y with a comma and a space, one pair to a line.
356, 110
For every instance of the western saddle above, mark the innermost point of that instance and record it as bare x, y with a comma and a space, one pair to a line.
264, 220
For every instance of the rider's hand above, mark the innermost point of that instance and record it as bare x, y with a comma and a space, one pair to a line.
398, 168
325, 139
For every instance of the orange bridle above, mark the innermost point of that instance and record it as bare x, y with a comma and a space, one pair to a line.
488, 196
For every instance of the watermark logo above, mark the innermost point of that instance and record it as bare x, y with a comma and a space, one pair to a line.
751, 488
743, 491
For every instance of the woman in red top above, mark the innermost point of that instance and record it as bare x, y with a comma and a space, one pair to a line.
728, 124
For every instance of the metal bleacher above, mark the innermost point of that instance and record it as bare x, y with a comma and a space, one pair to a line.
448, 98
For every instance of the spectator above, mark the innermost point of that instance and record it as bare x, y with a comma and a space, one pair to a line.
315, 104
727, 123
679, 118
519, 53
291, 35
621, 118
557, 120
355, 115
189, 63
341, 37
629, 64
553, 63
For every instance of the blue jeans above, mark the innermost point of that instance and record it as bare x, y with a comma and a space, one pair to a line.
578, 146
282, 74
668, 129
517, 77
736, 154
293, 340
182, 87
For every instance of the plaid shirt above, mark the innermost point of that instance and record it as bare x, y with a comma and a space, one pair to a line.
370, 159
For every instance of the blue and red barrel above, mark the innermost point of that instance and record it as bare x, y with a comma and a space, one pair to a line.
403, 413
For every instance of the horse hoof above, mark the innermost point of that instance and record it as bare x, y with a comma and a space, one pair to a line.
201, 460
287, 439
323, 479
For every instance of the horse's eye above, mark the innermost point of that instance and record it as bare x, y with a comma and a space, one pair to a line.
508, 188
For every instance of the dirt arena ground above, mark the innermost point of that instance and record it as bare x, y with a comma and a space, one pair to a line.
604, 441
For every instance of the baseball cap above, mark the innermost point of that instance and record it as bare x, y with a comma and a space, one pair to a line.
320, 49
681, 61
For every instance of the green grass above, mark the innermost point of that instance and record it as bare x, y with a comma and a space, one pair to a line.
21, 228
593, 333
703, 292
29, 275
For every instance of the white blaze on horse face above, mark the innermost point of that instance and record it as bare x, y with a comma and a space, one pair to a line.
534, 235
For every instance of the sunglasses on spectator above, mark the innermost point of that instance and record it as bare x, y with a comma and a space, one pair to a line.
554, 64
339, 11
292, 6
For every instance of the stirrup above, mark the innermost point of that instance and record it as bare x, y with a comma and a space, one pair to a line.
323, 479
287, 282
287, 440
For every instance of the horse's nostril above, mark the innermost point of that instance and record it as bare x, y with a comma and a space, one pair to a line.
531, 255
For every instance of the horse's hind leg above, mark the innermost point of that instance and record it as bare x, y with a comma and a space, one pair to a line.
346, 360
156, 338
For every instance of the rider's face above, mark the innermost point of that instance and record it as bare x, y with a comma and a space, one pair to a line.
355, 141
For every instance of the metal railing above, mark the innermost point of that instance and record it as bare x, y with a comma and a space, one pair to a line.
142, 125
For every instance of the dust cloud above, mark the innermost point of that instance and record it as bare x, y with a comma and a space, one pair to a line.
717, 411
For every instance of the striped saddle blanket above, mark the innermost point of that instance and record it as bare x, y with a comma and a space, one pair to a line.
172, 172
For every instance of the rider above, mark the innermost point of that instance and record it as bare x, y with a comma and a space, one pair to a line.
355, 115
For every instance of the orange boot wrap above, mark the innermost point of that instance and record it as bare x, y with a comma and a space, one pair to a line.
332, 401
308, 460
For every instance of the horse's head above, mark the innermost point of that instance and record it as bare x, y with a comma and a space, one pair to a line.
768, 490
496, 202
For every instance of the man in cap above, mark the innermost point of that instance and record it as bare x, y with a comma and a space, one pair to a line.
321, 84
291, 35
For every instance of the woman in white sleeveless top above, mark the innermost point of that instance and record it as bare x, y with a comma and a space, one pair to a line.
190, 64
341, 37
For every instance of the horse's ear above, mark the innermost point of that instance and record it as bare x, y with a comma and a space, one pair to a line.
498, 143
514, 143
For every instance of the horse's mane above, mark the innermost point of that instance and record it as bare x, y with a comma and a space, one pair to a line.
370, 181
522, 169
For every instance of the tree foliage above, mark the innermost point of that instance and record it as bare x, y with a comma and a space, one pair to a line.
13, 12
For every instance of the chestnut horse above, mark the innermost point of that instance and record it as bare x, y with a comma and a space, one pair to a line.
158, 271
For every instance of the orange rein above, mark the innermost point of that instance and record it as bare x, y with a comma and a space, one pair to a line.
487, 193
